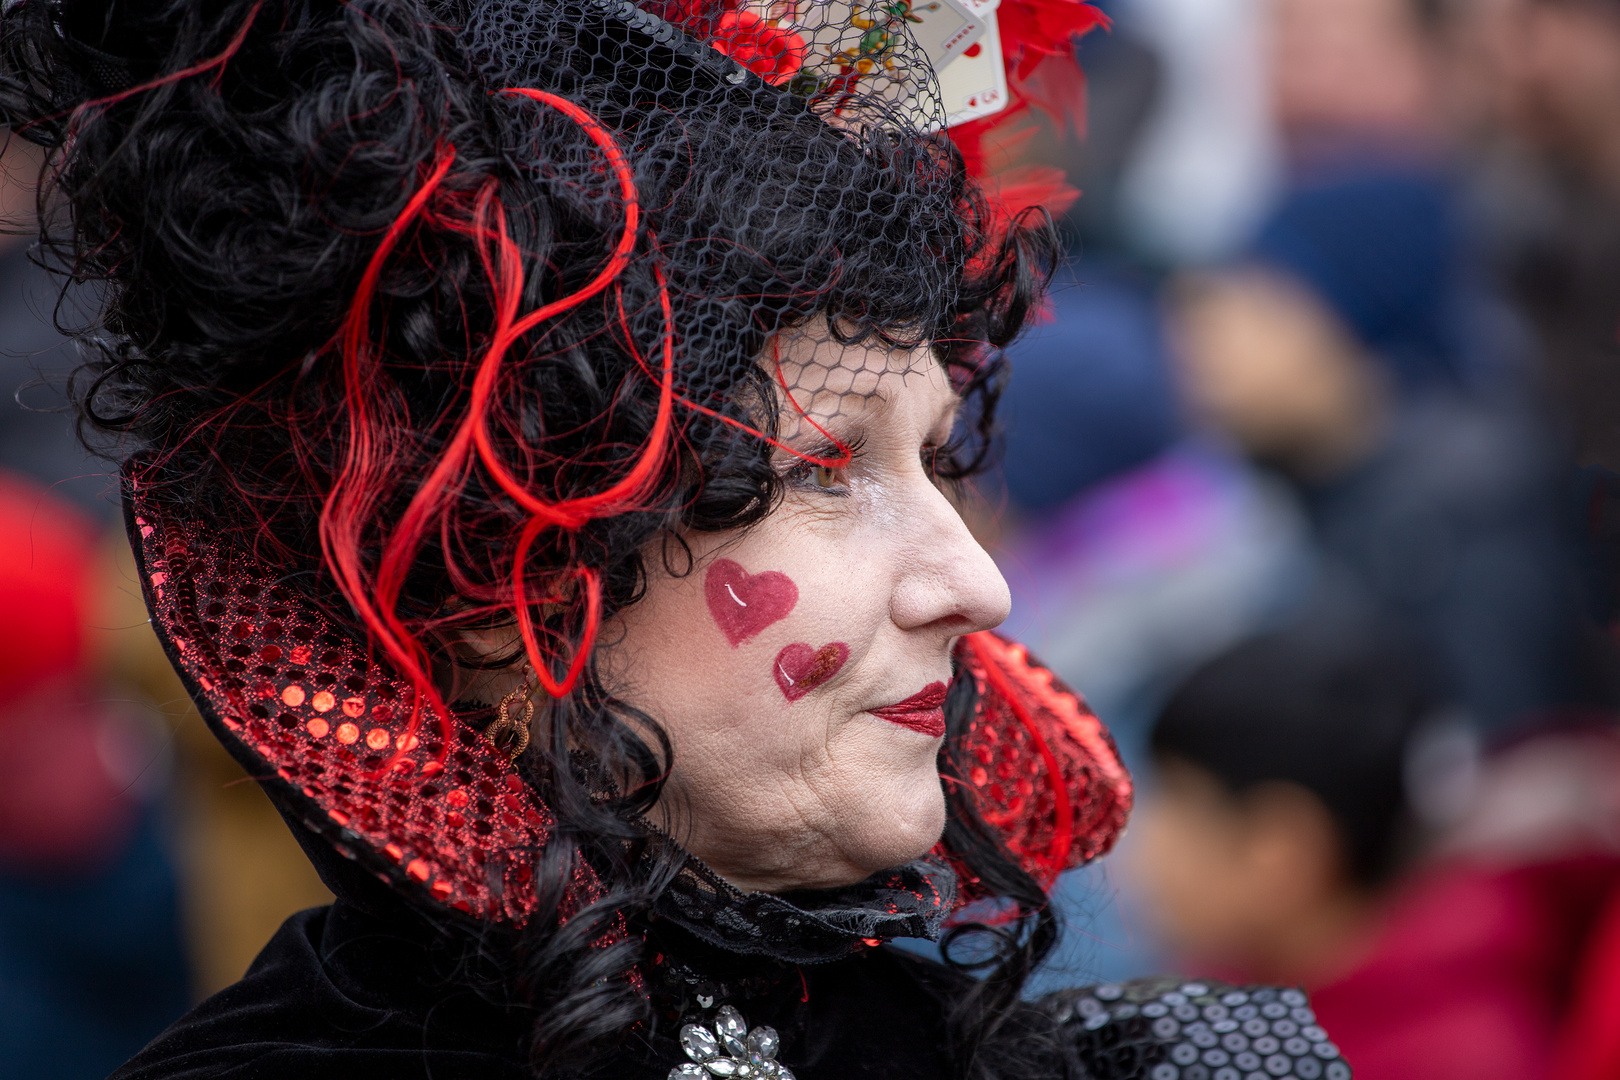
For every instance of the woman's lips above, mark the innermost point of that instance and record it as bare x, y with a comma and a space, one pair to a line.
923, 711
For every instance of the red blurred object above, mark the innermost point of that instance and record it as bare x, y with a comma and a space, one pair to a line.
64, 802
1032, 30
1472, 974
768, 51
1589, 1047
65, 774
45, 554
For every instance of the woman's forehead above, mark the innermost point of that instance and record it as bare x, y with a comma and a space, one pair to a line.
828, 380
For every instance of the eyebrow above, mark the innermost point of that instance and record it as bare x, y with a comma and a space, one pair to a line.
849, 432
826, 428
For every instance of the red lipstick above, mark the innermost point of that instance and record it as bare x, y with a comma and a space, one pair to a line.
923, 711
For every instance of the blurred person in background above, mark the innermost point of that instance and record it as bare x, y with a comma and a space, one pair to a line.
1535, 87
1359, 351
1534, 97
91, 961
1356, 351
1352, 80
1342, 355
1321, 819
1131, 552
1533, 92
1354, 335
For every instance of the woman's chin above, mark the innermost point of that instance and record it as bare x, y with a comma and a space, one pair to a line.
877, 831
907, 828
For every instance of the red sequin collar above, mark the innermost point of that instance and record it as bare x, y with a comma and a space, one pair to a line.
315, 719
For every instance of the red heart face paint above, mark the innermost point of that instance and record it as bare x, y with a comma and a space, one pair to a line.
800, 668
743, 604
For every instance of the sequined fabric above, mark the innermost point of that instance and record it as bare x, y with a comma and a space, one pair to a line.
1170, 1029
315, 721
1046, 771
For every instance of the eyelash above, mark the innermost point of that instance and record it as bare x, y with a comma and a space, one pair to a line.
808, 475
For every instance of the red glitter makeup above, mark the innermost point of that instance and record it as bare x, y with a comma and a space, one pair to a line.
800, 668
923, 711
743, 604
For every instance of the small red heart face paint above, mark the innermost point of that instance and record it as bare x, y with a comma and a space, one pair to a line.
743, 604
800, 668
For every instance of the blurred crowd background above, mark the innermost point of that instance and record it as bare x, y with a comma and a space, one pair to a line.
140, 868
1311, 485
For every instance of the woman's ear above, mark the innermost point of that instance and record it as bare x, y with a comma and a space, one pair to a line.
483, 663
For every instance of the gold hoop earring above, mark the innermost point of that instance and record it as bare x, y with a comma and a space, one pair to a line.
508, 734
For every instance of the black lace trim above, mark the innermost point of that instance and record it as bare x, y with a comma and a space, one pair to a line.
810, 927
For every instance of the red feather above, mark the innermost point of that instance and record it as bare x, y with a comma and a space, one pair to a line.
1037, 45
1032, 29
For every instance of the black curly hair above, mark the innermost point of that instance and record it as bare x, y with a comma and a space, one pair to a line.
317, 226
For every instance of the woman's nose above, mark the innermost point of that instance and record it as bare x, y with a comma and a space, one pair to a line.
947, 579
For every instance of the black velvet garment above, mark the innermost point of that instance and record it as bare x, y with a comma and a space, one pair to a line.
337, 994
375, 988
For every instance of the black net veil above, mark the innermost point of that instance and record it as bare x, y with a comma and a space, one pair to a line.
822, 199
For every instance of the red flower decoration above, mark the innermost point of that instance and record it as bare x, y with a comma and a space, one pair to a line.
768, 51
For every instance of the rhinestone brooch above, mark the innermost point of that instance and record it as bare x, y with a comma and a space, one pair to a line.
730, 1050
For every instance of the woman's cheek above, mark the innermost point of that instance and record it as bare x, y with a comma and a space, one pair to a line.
745, 604
889, 805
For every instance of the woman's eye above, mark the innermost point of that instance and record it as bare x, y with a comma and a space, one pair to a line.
828, 470
828, 478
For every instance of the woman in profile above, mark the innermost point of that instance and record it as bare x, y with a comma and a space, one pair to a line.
538, 420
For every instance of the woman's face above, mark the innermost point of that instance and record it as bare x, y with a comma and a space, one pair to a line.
777, 663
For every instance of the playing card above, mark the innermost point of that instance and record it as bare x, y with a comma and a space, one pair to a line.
836, 28
944, 28
975, 83
864, 37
